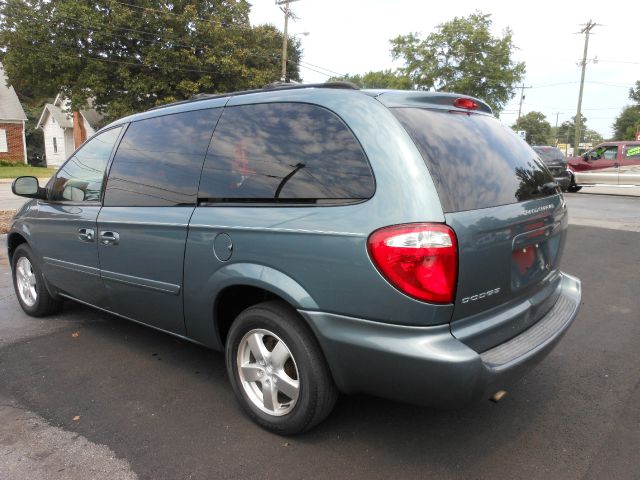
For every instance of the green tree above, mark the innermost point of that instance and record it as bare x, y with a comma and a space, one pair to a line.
462, 56
592, 137
537, 127
132, 56
628, 122
380, 79
566, 131
634, 93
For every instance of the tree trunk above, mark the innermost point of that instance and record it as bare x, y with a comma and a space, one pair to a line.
79, 132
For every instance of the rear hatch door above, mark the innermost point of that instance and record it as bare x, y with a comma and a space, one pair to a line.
508, 214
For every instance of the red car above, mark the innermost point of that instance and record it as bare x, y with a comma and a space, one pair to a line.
610, 163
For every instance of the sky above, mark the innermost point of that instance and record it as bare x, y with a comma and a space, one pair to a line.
352, 36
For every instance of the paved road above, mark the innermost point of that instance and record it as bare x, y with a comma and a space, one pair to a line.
9, 201
156, 407
606, 211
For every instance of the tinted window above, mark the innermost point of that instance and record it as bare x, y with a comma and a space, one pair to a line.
475, 161
81, 178
284, 152
159, 160
550, 154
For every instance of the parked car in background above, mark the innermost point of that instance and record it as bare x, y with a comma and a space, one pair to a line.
610, 163
401, 244
556, 162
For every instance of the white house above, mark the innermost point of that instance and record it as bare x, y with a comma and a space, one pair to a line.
56, 122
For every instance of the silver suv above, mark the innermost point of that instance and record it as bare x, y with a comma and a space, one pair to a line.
401, 244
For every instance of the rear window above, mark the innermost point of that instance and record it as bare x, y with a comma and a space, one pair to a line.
474, 160
550, 154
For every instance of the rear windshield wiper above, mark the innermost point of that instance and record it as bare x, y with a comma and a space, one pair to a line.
286, 179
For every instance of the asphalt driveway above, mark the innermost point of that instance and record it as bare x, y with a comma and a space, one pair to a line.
148, 405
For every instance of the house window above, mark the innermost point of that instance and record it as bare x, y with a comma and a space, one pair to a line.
55, 145
3, 141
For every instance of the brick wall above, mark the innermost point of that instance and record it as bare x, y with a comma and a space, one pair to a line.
15, 147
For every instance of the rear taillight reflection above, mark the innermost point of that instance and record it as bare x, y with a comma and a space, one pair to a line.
419, 259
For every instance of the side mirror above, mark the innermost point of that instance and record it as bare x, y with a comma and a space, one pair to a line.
28, 187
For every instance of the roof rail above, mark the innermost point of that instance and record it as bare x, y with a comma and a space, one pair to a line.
269, 87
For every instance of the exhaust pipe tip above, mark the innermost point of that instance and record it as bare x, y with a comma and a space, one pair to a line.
499, 395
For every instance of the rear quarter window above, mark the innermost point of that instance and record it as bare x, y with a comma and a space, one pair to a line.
474, 160
284, 152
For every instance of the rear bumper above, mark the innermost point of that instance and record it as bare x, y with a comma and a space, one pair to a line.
427, 365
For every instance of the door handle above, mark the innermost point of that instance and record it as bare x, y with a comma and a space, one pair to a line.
86, 234
109, 238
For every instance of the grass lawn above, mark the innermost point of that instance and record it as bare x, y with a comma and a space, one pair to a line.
14, 171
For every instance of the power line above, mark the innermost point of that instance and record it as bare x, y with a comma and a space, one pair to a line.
109, 60
105, 28
325, 69
163, 40
619, 61
309, 68
165, 12
143, 65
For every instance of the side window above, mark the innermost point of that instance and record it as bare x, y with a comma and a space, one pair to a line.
289, 152
632, 152
159, 160
610, 153
80, 178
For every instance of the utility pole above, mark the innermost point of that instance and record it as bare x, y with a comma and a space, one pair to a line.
287, 13
522, 87
586, 30
557, 136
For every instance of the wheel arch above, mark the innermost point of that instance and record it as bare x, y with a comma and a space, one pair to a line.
14, 240
240, 286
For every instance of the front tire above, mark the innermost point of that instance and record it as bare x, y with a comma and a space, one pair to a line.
573, 188
28, 282
277, 369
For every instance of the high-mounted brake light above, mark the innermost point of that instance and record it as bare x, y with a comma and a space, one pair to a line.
419, 259
465, 103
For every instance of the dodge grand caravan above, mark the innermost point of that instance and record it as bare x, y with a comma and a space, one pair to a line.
401, 244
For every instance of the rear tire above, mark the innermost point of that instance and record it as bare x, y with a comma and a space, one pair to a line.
28, 282
277, 369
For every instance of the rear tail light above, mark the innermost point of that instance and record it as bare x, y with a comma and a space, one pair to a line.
419, 259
